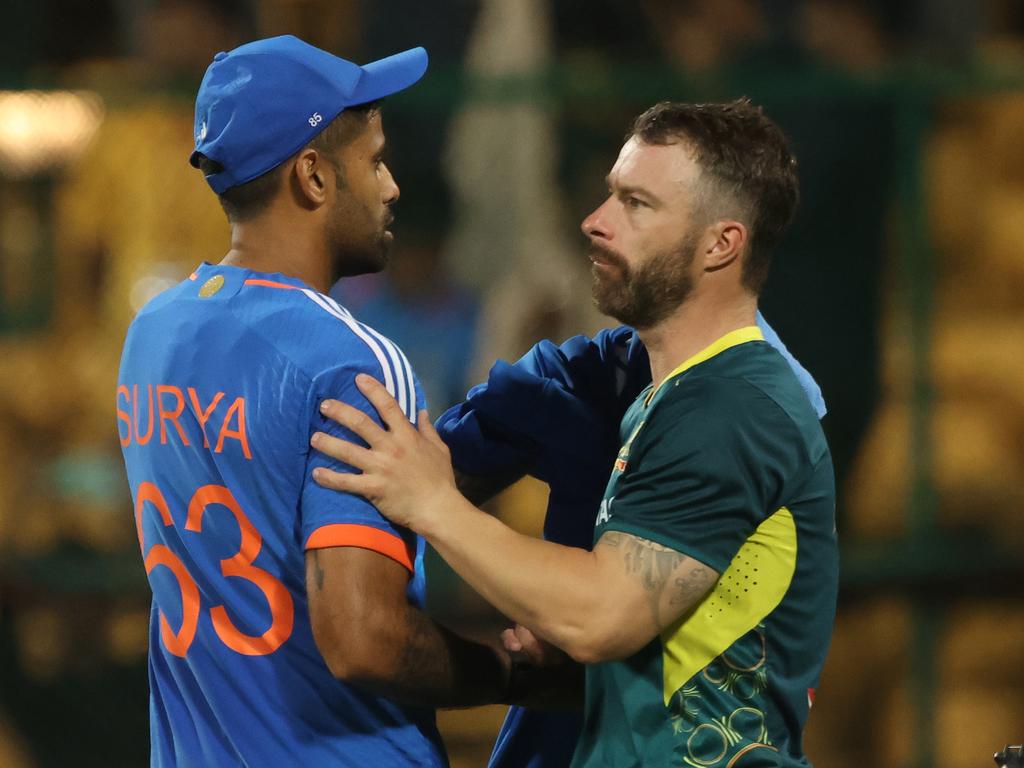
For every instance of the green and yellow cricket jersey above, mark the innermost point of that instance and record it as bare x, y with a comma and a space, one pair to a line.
726, 462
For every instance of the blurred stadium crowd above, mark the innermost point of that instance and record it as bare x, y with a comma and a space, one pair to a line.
901, 288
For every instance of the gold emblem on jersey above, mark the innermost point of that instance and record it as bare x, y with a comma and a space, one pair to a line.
622, 461
211, 286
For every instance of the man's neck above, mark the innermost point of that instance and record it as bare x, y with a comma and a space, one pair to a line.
695, 325
267, 248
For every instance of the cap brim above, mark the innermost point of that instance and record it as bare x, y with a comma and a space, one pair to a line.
390, 75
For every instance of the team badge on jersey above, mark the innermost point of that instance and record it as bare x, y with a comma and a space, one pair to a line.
211, 286
623, 458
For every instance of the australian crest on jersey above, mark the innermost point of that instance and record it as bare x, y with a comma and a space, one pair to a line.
622, 460
604, 513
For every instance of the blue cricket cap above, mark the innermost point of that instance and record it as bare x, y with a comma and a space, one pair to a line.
264, 101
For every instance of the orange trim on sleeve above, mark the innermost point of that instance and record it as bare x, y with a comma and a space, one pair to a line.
270, 284
364, 537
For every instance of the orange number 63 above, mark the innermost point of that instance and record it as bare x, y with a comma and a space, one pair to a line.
282, 607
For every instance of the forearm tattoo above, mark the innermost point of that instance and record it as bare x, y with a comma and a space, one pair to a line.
671, 580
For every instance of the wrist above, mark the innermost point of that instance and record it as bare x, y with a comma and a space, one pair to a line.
556, 687
520, 680
440, 512
506, 666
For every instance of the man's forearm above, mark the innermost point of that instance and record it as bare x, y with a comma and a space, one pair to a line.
438, 668
371, 636
434, 667
545, 586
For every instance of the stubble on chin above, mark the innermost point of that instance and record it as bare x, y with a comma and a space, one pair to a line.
350, 259
647, 295
352, 264
610, 282
610, 296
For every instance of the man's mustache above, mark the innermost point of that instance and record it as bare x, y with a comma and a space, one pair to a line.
607, 255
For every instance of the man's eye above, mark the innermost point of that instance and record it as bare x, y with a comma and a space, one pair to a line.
635, 202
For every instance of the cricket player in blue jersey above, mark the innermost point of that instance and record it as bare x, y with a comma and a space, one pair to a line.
286, 623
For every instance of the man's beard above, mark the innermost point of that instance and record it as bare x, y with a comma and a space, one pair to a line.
644, 296
352, 255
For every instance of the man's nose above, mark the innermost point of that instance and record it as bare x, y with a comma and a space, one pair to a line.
391, 190
596, 224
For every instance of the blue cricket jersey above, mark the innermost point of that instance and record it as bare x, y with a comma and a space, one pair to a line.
217, 397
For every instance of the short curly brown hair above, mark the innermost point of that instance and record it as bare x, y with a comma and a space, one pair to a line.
746, 163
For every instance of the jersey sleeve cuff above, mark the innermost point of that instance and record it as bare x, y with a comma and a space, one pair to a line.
364, 537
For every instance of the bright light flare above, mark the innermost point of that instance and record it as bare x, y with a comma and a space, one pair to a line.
45, 130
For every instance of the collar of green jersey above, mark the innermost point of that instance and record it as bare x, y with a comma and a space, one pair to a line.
731, 339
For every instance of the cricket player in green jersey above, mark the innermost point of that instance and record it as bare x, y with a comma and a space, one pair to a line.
705, 608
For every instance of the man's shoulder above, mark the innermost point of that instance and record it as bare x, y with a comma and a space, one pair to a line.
330, 345
747, 387
319, 335
268, 324
753, 374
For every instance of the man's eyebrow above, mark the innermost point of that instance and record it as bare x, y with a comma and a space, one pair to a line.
627, 189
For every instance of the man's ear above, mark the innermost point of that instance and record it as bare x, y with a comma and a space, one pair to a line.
727, 241
311, 170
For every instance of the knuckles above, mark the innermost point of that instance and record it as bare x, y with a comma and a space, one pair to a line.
338, 480
359, 421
